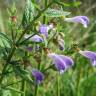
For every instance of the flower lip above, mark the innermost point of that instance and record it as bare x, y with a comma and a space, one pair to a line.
85, 18
37, 75
88, 54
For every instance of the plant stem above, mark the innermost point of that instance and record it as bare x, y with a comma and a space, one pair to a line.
44, 17
23, 89
11, 84
36, 90
6, 64
58, 89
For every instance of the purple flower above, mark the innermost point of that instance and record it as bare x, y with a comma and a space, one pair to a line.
35, 38
38, 76
90, 55
62, 63
43, 29
79, 19
29, 48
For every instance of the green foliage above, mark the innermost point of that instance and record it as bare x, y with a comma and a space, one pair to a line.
28, 13
5, 44
56, 13
77, 81
4, 41
24, 74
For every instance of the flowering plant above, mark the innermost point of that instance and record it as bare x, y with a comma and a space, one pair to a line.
36, 52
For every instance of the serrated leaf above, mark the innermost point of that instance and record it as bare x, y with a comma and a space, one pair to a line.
5, 45
28, 13
56, 13
4, 41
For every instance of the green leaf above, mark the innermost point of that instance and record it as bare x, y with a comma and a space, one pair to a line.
4, 41
28, 13
5, 45
6, 93
71, 4
13, 89
56, 13
24, 74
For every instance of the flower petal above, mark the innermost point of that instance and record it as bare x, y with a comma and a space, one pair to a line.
88, 54
38, 76
35, 38
44, 30
29, 49
93, 62
68, 61
61, 62
79, 19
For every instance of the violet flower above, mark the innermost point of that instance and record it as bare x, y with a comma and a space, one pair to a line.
79, 19
43, 29
38, 76
90, 55
35, 38
62, 63
29, 49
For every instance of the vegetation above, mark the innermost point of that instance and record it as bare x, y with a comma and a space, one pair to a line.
47, 48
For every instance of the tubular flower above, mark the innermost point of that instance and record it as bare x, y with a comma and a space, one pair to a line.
38, 76
62, 63
35, 38
90, 55
79, 19
61, 44
43, 29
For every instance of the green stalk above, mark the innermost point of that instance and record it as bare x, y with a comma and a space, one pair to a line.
11, 84
58, 89
36, 90
12, 33
23, 87
5, 66
78, 82
44, 17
